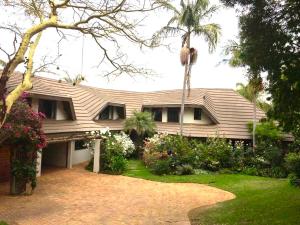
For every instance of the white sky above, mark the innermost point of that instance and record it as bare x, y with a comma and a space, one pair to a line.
207, 73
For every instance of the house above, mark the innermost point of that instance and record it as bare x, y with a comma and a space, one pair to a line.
71, 111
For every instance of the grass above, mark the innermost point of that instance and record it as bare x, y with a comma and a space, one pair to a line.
259, 200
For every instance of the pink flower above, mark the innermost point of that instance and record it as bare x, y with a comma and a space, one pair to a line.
26, 129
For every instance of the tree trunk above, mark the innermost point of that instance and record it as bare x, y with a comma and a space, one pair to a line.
254, 124
186, 73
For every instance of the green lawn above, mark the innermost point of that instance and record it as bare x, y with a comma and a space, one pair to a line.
258, 200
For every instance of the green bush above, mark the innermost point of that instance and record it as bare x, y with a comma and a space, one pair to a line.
185, 169
294, 179
293, 163
118, 164
90, 166
113, 159
217, 153
162, 167
252, 171
3, 223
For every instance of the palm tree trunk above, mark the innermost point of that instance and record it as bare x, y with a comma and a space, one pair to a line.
254, 124
186, 74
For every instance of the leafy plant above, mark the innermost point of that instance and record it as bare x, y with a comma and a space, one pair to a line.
23, 128
162, 167
185, 169
293, 163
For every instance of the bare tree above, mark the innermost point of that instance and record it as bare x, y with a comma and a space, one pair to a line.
103, 20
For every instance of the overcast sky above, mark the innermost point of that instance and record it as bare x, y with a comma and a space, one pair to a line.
207, 73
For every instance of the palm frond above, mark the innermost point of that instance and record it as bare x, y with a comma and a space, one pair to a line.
209, 12
211, 33
201, 5
164, 33
165, 4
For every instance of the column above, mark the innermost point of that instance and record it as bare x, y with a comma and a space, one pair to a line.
70, 149
96, 168
39, 163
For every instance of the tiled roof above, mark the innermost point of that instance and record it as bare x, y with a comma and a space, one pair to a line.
229, 111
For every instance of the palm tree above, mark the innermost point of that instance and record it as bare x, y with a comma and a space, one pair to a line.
251, 92
187, 21
141, 122
139, 126
75, 81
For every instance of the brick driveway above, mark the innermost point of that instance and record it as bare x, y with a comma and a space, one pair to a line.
79, 197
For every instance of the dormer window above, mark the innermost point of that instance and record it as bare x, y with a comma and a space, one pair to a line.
197, 113
173, 115
54, 109
111, 112
48, 107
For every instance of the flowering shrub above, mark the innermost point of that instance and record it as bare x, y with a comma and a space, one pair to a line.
126, 143
23, 128
115, 147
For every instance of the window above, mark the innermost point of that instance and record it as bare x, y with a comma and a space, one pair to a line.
173, 115
67, 109
106, 114
197, 113
48, 107
157, 114
120, 112
80, 145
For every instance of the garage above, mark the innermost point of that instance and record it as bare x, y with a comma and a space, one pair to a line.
55, 156
64, 155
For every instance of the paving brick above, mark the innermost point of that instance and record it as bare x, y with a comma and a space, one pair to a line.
77, 197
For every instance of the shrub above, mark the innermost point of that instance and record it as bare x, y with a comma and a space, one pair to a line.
252, 171
162, 167
185, 169
217, 153
150, 158
293, 163
294, 179
90, 166
113, 156
118, 164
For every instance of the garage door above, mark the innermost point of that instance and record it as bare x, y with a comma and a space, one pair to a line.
4, 164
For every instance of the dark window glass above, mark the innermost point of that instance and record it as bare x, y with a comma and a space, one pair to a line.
157, 114
173, 115
48, 107
105, 114
197, 114
121, 112
67, 109
79, 145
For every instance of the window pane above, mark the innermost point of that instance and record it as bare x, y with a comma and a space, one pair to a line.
197, 114
173, 115
157, 114
104, 115
79, 145
48, 107
120, 112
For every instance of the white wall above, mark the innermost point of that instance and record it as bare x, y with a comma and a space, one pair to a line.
55, 155
80, 156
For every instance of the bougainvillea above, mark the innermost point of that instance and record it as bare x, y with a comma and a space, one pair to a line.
23, 129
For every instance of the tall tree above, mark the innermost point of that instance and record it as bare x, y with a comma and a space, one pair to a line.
104, 21
269, 41
253, 89
188, 21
